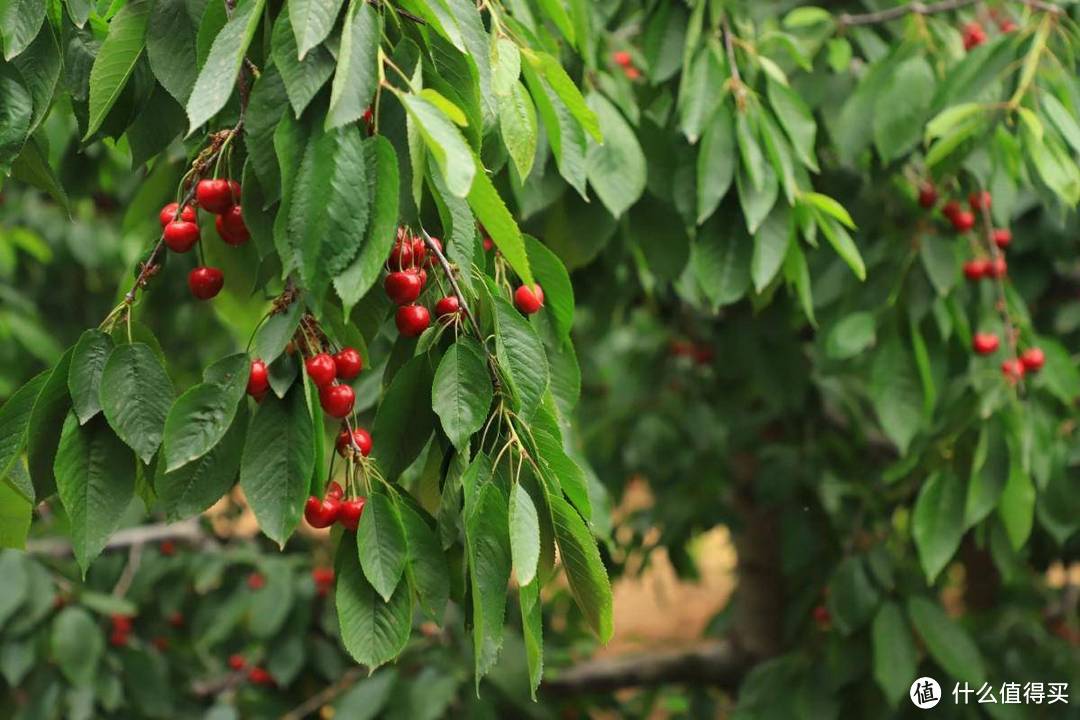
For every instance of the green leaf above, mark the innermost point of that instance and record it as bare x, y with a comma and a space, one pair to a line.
170, 47
278, 330
43, 432
518, 125
20, 21
77, 645
16, 115
278, 459
937, 522
896, 392
384, 186
828, 206
939, 260
15, 510
567, 91
552, 276
521, 357
615, 169
505, 65
901, 108
842, 243
491, 211
374, 632
665, 37
951, 118
328, 215
462, 392
851, 336
487, 541
84, 376
559, 468
1017, 505
565, 134
721, 260
753, 164
200, 417
312, 21
896, 658
216, 80
32, 167
14, 421
716, 163
584, 570
304, 76
444, 142
948, 643
770, 247
796, 119
115, 61
524, 534
197, 485
698, 95
381, 542
135, 395
756, 204
802, 17
266, 105
357, 73
427, 568
95, 476
40, 66
852, 597
990, 468
404, 421
1062, 119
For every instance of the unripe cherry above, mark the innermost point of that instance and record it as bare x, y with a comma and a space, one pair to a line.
529, 300
337, 400
321, 369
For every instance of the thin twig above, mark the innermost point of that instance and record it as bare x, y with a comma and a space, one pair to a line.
128, 575
188, 530
921, 8
325, 695
434, 250
738, 89
398, 11
999, 281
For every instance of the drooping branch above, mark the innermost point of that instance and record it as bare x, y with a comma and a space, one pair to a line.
327, 694
921, 8
721, 664
188, 531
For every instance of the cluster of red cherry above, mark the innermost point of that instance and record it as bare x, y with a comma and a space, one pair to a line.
325, 370
335, 507
121, 630
974, 34
256, 675
406, 277
324, 580
1031, 359
626, 62
180, 229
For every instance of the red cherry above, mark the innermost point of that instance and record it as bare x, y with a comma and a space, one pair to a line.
431, 259
997, 268
258, 379
622, 58
237, 661
419, 250
161, 643
322, 575
973, 35
351, 510
230, 226
167, 548
401, 254
403, 287
821, 615
321, 513
255, 581
348, 363
951, 209
412, 320
448, 305
369, 119
928, 196
985, 343
488, 244
1007, 26
963, 221
176, 619
360, 437
337, 400
1002, 237
529, 300
632, 73
214, 195
1012, 369
976, 269
181, 236
259, 676
334, 490
205, 282
118, 639
1033, 359
321, 369
979, 201
168, 214
121, 623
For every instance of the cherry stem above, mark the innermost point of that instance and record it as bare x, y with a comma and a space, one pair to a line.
434, 250
997, 254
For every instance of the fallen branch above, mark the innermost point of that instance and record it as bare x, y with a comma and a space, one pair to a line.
721, 664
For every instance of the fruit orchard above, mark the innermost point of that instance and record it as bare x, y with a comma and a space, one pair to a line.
421, 286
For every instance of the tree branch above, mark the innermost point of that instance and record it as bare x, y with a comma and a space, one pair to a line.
921, 8
449, 271
188, 531
721, 663
325, 695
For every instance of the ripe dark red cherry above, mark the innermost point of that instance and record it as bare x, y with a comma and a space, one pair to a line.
205, 282
214, 195
622, 58
529, 300
348, 363
334, 490
821, 616
181, 236
1033, 359
448, 305
337, 400
321, 513
985, 343
950, 209
488, 244
997, 268
431, 259
321, 369
259, 676
167, 548
176, 619
351, 510
401, 255
973, 35
419, 250
928, 195
255, 581
230, 226
403, 286
360, 437
979, 201
237, 661
976, 269
120, 623
412, 320
168, 214
118, 639
1012, 369
963, 221
1002, 237
258, 379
